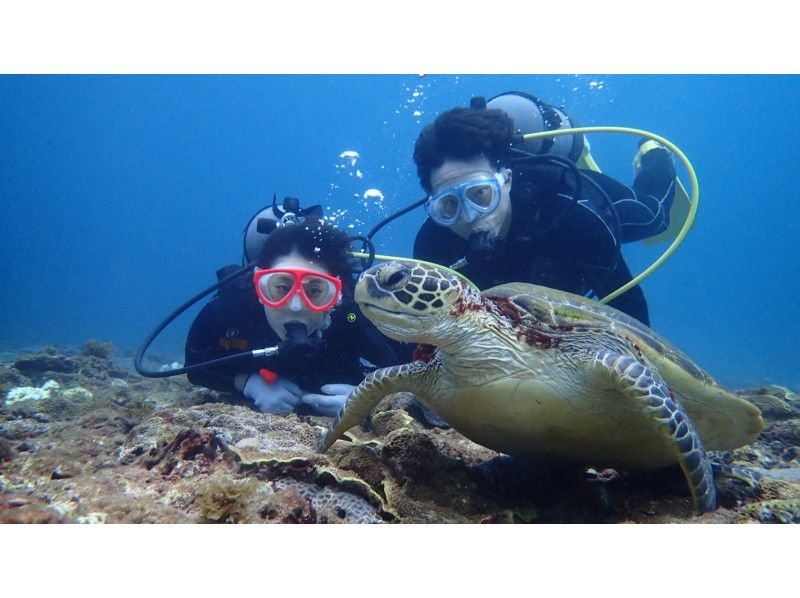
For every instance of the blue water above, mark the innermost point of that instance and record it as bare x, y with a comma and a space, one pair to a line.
121, 195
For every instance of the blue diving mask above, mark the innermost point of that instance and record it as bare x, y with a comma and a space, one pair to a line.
466, 201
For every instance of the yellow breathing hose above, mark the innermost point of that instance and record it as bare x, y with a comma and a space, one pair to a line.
687, 225
693, 201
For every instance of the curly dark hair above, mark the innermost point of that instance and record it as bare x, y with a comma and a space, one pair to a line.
316, 242
462, 134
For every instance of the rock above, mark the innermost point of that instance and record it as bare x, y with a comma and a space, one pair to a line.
97, 444
18, 508
225, 499
775, 402
6, 450
772, 511
99, 349
36, 365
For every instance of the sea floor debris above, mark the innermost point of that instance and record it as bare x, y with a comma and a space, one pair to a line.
83, 439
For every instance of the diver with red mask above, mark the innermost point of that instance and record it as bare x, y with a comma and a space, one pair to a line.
298, 299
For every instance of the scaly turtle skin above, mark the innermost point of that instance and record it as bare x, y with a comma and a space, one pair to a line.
535, 372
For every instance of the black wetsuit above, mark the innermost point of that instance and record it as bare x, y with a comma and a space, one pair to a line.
556, 242
234, 321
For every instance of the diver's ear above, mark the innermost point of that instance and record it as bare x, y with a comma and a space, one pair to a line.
506, 172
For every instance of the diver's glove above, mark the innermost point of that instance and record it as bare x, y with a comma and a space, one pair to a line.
279, 396
649, 152
331, 401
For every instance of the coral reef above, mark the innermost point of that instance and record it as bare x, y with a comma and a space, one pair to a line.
775, 402
97, 348
85, 440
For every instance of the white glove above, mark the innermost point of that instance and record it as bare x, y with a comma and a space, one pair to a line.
331, 402
282, 396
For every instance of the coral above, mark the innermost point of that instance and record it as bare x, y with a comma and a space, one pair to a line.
100, 445
771, 511
49, 400
364, 461
287, 505
18, 508
25, 393
413, 454
225, 500
6, 450
77, 394
120, 508
93, 363
50, 361
96, 348
786, 433
189, 445
330, 504
92, 518
775, 402
32, 393
9, 378
22, 429
385, 422
61, 408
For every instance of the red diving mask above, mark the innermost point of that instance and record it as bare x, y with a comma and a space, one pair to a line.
276, 287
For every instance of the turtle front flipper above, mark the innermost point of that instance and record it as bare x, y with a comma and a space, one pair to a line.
369, 393
650, 392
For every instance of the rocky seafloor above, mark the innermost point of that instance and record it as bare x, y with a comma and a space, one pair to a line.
83, 439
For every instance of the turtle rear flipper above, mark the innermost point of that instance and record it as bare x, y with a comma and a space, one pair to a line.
642, 385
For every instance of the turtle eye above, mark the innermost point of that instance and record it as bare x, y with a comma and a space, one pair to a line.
393, 277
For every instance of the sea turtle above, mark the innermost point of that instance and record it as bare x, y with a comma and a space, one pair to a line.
536, 372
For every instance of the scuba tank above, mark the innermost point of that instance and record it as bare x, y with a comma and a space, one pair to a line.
532, 115
268, 218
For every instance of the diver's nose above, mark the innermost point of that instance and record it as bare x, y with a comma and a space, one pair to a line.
295, 303
469, 214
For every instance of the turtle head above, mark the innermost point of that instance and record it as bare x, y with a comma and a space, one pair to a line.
412, 302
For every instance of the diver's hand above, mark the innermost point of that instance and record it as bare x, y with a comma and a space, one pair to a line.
281, 396
650, 151
331, 402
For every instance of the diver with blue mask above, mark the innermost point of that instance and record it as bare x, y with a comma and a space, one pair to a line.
467, 201
502, 210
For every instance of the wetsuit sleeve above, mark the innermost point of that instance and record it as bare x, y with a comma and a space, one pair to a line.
632, 302
643, 209
202, 344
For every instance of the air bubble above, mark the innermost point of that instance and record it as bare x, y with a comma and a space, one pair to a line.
350, 156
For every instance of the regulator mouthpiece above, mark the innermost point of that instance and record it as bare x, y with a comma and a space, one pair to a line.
299, 344
482, 248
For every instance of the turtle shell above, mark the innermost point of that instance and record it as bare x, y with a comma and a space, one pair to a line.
724, 420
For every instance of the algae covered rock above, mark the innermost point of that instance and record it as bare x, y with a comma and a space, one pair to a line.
772, 511
775, 402
97, 348
90, 447
21, 508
